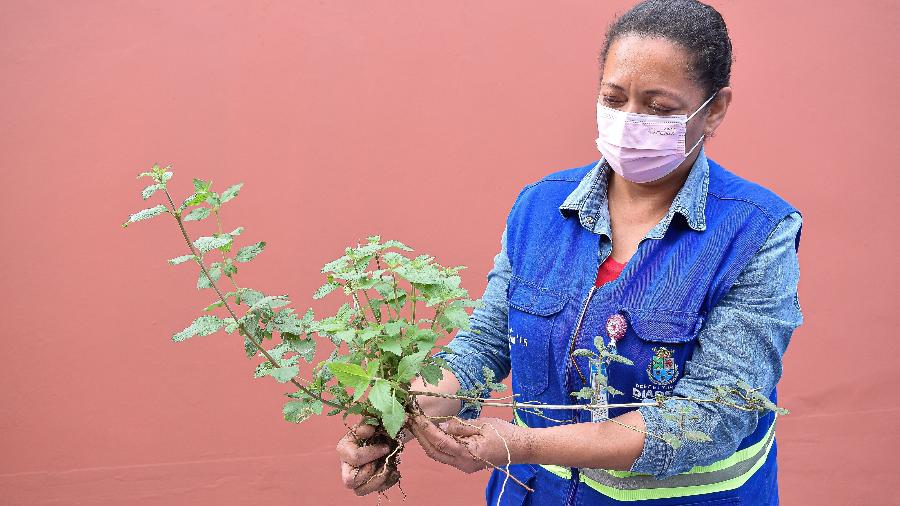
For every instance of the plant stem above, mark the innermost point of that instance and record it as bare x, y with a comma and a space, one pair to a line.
369, 303
523, 405
219, 225
387, 304
359, 306
437, 314
365, 294
244, 331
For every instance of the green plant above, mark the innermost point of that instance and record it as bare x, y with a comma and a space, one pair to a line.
399, 308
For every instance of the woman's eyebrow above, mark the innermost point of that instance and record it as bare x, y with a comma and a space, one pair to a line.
612, 85
664, 93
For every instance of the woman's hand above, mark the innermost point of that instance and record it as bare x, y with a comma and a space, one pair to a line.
358, 466
472, 445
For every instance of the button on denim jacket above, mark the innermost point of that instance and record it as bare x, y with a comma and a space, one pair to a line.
742, 337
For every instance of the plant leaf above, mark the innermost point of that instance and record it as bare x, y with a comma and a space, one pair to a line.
392, 345
206, 244
584, 393
197, 214
612, 390
250, 296
150, 190
432, 374
230, 193
145, 214
270, 302
615, 357
284, 374
215, 272
325, 290
345, 335
181, 259
672, 440
695, 435
298, 411
392, 415
455, 317
396, 244
349, 375
203, 326
306, 348
410, 365
248, 253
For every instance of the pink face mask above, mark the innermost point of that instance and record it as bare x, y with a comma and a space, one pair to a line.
643, 147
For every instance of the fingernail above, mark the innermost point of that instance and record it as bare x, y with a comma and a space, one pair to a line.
444, 425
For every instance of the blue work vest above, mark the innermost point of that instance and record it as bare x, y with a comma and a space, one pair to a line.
664, 293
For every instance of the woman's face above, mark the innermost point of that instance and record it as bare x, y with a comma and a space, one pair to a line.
652, 75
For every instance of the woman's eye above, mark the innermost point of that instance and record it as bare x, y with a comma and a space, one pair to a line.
660, 109
612, 101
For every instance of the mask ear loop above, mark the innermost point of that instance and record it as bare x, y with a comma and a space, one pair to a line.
708, 100
695, 146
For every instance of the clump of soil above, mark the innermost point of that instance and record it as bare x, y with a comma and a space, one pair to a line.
390, 462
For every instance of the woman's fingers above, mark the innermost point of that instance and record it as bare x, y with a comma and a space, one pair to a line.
361, 431
353, 477
358, 470
350, 452
357, 456
367, 479
441, 446
429, 448
382, 480
461, 429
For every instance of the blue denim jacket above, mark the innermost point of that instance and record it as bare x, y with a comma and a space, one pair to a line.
744, 336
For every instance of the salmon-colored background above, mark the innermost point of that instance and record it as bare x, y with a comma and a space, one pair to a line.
416, 120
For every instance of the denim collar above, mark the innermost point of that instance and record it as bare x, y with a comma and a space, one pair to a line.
589, 200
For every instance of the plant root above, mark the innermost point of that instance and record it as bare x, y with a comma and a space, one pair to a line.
387, 465
502, 469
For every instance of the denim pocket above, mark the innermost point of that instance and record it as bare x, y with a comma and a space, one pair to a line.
662, 326
533, 312
663, 341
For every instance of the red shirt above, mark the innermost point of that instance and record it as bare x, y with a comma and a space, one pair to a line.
608, 271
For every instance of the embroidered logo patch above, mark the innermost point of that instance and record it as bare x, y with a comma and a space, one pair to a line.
662, 369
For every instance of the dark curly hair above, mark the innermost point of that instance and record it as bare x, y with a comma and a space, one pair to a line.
693, 25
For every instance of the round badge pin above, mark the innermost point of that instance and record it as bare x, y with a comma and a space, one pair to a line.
616, 326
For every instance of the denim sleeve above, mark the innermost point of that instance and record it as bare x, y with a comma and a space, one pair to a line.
486, 344
744, 337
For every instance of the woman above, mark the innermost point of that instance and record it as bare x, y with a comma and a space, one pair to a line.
690, 270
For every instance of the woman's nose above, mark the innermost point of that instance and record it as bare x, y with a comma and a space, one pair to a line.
632, 106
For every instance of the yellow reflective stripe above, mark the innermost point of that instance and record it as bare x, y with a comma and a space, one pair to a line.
681, 491
665, 493
729, 461
563, 472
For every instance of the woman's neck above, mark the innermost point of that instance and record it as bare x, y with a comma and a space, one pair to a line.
649, 200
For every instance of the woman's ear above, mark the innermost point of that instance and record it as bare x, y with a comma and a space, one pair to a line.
717, 109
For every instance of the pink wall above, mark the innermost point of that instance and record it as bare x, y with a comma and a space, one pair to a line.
416, 120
